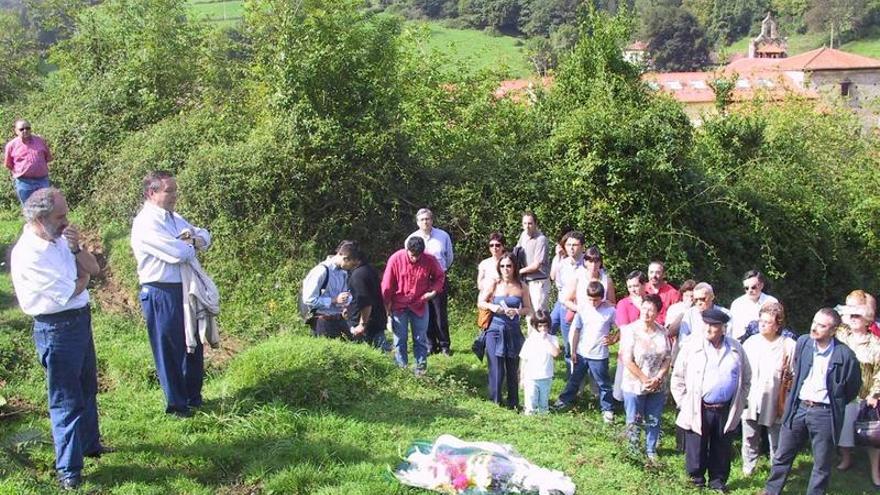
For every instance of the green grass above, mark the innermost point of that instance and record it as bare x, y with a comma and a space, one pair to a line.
293, 414
478, 50
220, 12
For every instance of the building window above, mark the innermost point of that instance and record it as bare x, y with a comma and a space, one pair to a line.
845, 88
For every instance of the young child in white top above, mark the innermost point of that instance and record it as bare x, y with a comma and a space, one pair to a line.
536, 364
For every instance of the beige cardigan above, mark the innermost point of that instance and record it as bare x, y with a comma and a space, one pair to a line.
687, 383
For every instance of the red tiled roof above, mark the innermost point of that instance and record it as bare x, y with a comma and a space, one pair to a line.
827, 59
637, 46
515, 87
693, 87
770, 49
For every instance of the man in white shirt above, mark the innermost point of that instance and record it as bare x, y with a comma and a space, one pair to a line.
692, 323
50, 272
162, 240
439, 245
745, 308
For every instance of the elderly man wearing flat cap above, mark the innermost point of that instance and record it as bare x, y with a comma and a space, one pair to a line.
710, 383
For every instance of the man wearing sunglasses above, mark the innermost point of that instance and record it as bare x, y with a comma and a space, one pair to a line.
692, 323
745, 308
27, 156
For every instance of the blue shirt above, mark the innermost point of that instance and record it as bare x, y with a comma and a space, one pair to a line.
815, 386
337, 283
721, 377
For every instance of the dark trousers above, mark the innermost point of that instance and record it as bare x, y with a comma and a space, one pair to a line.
330, 328
180, 373
438, 321
598, 368
710, 450
501, 367
67, 352
813, 423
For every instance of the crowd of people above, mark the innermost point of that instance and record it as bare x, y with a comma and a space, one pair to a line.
727, 370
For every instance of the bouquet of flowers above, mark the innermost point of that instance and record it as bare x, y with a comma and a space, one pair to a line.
453, 466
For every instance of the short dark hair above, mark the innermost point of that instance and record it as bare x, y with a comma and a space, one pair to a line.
541, 317
595, 289
643, 279
835, 316
153, 181
530, 213
653, 299
497, 236
755, 274
348, 249
687, 286
415, 245
574, 234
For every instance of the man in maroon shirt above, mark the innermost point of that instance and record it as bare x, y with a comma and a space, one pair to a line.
27, 157
411, 279
657, 284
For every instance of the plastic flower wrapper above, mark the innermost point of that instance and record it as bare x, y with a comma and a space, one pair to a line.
453, 466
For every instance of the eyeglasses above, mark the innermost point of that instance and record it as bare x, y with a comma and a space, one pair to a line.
495, 244
505, 266
701, 299
24, 128
750, 287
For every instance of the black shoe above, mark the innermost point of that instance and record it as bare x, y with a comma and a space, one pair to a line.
720, 488
698, 483
101, 451
560, 406
186, 413
70, 483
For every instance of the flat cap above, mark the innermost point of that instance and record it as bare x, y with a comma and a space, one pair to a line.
714, 316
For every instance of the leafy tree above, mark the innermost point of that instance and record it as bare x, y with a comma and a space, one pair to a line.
21, 58
836, 17
676, 41
730, 20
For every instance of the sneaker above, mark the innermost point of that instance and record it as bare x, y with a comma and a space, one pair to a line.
560, 406
652, 458
608, 417
70, 483
748, 472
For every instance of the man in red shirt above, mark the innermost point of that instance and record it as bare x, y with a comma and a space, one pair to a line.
657, 284
27, 157
411, 279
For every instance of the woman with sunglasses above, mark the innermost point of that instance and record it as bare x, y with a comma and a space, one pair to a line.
488, 268
508, 300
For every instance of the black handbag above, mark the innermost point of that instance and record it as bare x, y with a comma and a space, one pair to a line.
868, 426
479, 345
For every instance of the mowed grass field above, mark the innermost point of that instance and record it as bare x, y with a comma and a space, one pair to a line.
220, 12
290, 414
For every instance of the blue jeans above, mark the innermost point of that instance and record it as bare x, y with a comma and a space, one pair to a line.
557, 323
180, 373
67, 352
644, 411
24, 187
537, 395
401, 321
599, 369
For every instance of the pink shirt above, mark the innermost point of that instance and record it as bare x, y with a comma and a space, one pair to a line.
404, 282
668, 295
27, 160
627, 312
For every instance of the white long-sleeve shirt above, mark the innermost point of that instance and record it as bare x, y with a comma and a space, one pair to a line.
44, 275
438, 244
157, 248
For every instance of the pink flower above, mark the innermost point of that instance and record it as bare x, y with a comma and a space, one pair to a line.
461, 482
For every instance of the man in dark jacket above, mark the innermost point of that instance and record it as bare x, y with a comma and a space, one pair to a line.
367, 318
826, 378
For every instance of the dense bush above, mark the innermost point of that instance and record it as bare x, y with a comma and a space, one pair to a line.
320, 121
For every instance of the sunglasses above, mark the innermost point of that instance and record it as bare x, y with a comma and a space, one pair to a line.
750, 287
24, 128
495, 244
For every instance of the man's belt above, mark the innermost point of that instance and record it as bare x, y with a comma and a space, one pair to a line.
62, 315
720, 405
811, 404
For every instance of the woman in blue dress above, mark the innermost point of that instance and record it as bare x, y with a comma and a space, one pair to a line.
508, 300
